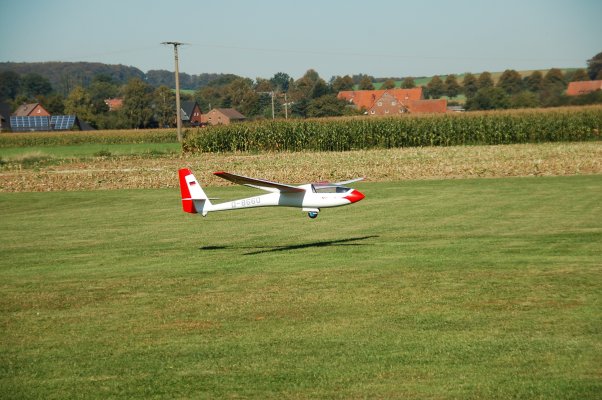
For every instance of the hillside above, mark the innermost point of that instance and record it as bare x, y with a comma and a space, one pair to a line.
64, 76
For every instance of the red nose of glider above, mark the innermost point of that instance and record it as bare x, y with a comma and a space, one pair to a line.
355, 196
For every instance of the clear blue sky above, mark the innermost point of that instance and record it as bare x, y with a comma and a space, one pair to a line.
258, 38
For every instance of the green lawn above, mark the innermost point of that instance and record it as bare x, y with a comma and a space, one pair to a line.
487, 288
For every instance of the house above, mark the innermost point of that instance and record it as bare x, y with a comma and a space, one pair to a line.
191, 113
31, 110
393, 101
222, 116
366, 98
114, 104
583, 87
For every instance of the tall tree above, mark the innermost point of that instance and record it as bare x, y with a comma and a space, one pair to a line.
240, 95
435, 88
452, 87
165, 106
33, 85
388, 84
101, 89
488, 98
578, 75
282, 81
137, 103
79, 103
342, 83
485, 80
511, 82
469, 85
10, 82
326, 106
366, 84
408, 83
553, 85
594, 66
534, 82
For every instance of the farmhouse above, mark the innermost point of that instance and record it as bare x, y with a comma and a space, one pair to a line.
583, 87
31, 110
222, 116
393, 101
191, 113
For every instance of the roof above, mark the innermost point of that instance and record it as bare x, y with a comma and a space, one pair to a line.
25, 110
188, 106
114, 104
428, 106
583, 87
366, 98
230, 113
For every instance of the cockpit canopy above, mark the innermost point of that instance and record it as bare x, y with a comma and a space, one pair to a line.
326, 188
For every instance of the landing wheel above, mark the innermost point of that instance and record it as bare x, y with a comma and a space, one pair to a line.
312, 214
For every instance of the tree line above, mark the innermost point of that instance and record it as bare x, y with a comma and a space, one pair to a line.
149, 100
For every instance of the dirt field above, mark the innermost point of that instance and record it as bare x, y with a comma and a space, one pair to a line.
99, 173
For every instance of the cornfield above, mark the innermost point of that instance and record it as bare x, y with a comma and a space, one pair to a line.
344, 134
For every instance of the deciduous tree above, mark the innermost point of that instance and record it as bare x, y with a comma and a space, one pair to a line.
342, 83
488, 98
165, 106
388, 84
452, 87
366, 84
469, 85
408, 83
79, 103
594, 66
511, 82
534, 82
137, 103
485, 80
435, 88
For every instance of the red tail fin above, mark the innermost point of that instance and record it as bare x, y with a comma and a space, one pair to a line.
187, 203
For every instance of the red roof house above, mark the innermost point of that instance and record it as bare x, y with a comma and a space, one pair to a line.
31, 110
583, 87
393, 101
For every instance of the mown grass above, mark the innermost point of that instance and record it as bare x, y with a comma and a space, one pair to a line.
432, 289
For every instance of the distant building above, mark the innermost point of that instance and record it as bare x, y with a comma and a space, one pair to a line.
223, 116
583, 87
393, 101
191, 113
114, 104
31, 110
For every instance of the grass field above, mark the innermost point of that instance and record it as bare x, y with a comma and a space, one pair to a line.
476, 288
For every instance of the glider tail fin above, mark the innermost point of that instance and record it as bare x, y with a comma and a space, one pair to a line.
194, 199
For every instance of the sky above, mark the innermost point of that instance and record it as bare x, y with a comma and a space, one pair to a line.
259, 38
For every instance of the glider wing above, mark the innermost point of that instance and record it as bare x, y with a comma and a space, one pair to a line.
258, 183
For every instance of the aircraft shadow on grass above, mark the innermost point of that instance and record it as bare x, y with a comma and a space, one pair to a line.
271, 249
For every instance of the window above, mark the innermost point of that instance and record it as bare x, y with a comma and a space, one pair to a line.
380, 103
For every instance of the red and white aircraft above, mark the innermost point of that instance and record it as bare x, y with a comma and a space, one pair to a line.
310, 197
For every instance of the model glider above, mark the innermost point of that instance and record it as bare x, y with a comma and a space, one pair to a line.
310, 197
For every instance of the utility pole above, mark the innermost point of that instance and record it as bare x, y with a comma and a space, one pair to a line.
178, 108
